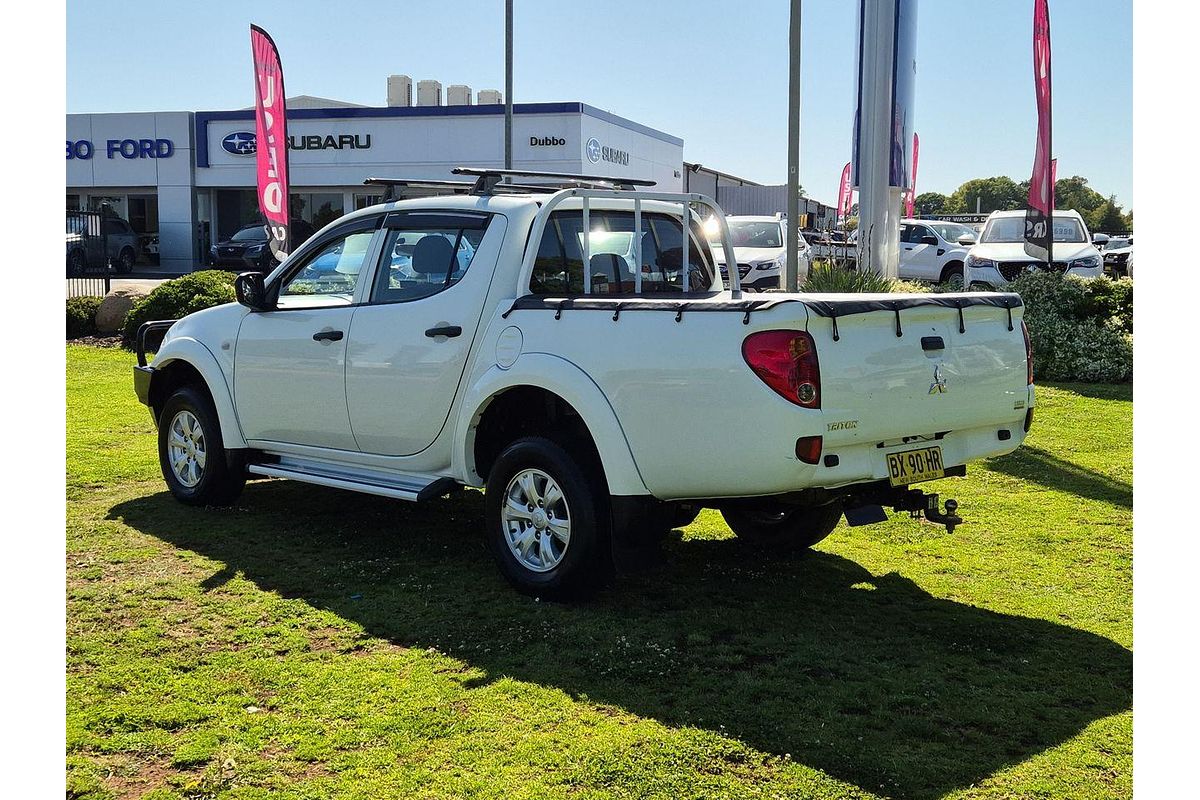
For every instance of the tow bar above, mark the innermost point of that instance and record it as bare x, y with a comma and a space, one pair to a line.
917, 503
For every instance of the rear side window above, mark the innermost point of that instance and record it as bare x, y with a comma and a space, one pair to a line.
558, 267
426, 253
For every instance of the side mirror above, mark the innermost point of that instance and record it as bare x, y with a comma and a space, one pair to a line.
929, 240
966, 241
251, 292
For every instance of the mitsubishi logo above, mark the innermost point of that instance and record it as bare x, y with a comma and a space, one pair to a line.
593, 150
939, 381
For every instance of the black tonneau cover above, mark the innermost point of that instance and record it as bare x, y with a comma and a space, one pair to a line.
827, 306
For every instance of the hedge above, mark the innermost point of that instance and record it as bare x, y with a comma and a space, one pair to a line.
179, 297
1081, 328
81, 316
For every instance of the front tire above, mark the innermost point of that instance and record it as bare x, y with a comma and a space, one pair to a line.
782, 528
76, 263
125, 261
952, 277
544, 516
197, 468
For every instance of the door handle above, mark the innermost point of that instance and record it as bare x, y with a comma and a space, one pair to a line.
908, 248
444, 330
328, 336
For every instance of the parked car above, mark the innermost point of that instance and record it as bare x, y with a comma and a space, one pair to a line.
95, 241
596, 415
759, 250
149, 243
245, 249
934, 251
1000, 255
1117, 253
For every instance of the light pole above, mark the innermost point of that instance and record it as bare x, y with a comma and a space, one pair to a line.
792, 266
508, 82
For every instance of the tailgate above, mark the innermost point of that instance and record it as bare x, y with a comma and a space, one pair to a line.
895, 366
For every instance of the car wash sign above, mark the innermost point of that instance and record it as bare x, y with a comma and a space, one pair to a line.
129, 149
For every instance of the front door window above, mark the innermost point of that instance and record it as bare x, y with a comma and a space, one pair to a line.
330, 276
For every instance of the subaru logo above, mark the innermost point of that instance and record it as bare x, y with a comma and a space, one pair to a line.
241, 143
593, 150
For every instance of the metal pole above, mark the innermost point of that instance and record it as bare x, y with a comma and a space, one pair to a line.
792, 266
508, 82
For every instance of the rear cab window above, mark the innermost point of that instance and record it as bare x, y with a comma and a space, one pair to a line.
558, 266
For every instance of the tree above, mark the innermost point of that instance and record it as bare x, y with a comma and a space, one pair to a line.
1000, 193
1074, 193
930, 203
1107, 218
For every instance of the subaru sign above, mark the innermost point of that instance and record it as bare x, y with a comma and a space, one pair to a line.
241, 143
593, 150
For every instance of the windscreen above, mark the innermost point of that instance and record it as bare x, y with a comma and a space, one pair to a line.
950, 231
1011, 230
254, 234
745, 233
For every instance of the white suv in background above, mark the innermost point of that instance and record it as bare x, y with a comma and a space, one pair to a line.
933, 251
759, 250
1000, 255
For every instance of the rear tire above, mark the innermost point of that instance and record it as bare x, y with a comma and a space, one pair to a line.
782, 528
198, 469
545, 521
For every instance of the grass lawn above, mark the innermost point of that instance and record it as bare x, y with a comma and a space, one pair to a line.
313, 643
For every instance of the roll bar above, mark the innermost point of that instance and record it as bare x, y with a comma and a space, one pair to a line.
587, 195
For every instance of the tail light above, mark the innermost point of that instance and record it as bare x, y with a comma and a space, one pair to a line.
787, 362
1028, 354
808, 449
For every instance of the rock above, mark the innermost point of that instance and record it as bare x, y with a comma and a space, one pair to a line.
116, 305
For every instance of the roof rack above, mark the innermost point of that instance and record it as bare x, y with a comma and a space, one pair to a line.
392, 183
486, 180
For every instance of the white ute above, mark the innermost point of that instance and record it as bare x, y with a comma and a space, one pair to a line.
602, 387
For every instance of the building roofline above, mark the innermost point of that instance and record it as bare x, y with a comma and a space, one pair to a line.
694, 167
202, 118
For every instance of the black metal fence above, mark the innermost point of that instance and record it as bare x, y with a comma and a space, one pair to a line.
97, 286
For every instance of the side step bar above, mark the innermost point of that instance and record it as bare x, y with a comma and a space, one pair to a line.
410, 488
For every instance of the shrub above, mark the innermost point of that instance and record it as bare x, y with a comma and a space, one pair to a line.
81, 316
829, 278
180, 297
1081, 329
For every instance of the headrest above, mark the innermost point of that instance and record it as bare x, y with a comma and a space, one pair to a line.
432, 255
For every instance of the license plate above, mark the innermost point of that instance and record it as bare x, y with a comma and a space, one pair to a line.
914, 466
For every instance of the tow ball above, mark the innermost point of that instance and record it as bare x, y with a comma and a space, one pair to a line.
932, 513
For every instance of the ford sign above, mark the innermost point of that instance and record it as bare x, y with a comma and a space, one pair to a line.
240, 143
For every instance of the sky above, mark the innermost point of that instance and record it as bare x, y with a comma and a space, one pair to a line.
712, 73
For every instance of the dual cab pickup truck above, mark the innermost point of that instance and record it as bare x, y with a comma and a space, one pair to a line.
576, 353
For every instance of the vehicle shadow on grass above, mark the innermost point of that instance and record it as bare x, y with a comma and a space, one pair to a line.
1039, 466
868, 678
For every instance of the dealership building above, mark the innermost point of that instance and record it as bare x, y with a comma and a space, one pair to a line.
188, 178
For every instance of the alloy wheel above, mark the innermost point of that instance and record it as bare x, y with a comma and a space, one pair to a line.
536, 520
186, 448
